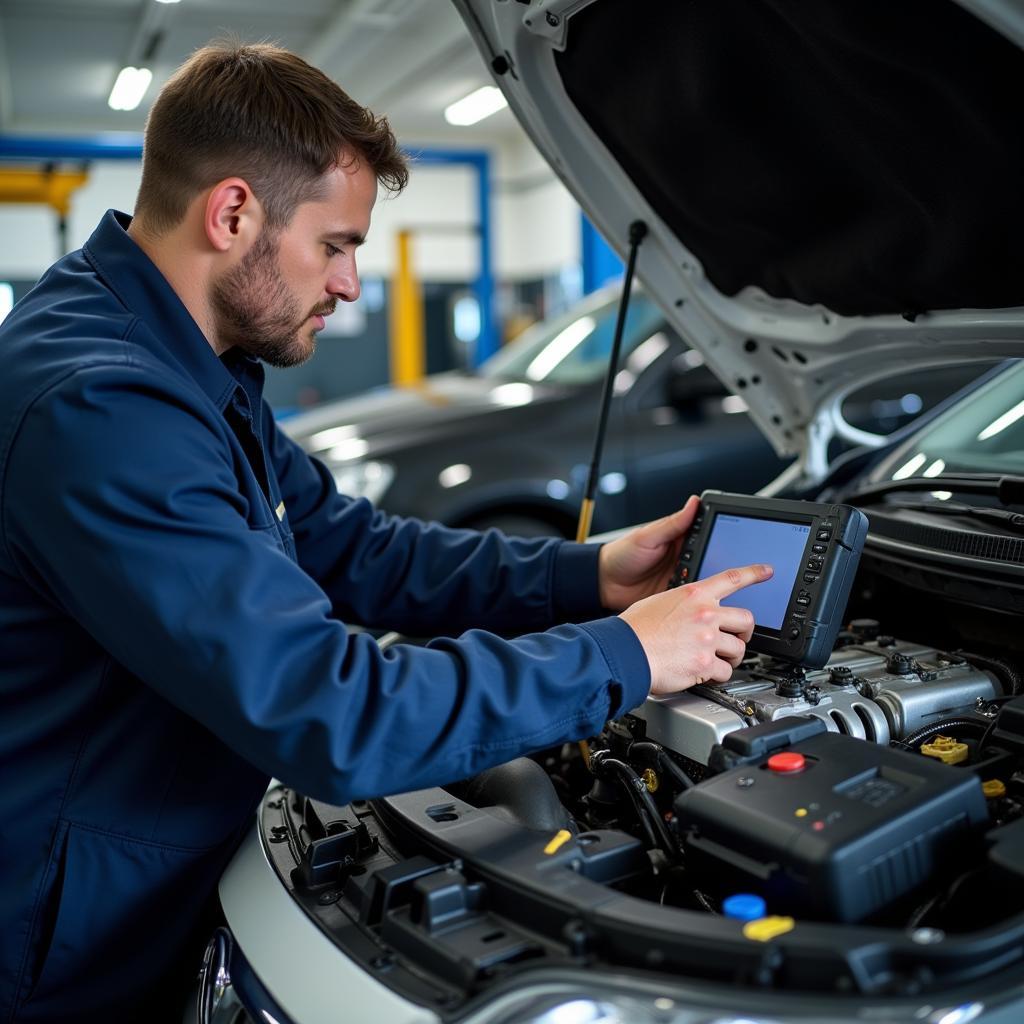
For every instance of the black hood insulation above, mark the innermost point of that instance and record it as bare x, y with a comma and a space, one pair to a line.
867, 155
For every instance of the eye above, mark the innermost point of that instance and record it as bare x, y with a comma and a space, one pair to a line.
332, 250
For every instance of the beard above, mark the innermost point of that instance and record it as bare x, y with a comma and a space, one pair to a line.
254, 309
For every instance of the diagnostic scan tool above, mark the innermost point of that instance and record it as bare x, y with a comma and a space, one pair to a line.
814, 549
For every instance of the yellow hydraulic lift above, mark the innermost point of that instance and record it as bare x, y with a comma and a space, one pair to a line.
408, 333
46, 185
408, 338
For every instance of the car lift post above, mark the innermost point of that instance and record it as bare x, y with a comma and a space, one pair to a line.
128, 146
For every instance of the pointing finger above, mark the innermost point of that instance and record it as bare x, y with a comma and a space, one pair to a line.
728, 582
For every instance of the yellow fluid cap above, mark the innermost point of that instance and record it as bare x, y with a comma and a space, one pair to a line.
766, 928
945, 749
993, 789
559, 840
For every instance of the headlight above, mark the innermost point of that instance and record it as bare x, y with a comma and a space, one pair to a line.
633, 1001
558, 1004
364, 479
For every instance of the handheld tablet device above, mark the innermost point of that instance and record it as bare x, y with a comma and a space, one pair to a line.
814, 549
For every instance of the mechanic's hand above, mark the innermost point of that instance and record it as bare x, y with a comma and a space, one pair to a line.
641, 563
688, 636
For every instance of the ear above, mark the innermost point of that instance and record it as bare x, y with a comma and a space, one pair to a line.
233, 215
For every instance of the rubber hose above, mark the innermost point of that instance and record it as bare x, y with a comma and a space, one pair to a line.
918, 736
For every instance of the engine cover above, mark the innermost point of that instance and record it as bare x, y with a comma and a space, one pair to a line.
831, 829
873, 691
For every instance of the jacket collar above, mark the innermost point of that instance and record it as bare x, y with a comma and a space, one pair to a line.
137, 282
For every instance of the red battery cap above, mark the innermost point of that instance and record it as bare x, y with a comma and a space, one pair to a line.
787, 762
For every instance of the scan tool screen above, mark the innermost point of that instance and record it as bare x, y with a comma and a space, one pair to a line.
736, 541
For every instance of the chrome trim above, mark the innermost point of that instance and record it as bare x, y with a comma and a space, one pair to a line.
214, 977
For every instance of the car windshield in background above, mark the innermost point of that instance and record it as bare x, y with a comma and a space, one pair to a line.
575, 349
984, 434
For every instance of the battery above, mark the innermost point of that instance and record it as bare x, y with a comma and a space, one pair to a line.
832, 828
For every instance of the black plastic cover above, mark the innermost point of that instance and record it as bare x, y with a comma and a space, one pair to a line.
858, 828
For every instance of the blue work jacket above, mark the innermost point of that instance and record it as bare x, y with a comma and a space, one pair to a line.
174, 577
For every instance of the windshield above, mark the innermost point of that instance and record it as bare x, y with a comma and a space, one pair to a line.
984, 433
574, 348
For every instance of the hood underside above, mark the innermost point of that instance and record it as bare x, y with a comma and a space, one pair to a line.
832, 188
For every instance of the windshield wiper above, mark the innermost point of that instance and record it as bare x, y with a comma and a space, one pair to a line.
1005, 518
1009, 490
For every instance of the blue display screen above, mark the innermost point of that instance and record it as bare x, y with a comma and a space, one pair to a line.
736, 541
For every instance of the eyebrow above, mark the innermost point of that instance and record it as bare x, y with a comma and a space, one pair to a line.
345, 237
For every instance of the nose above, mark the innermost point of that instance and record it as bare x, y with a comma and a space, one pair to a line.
344, 282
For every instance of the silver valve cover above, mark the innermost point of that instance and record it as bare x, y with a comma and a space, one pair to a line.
876, 692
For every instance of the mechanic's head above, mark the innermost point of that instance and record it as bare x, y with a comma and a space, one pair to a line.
261, 173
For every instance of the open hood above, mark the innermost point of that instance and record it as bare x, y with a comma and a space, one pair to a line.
834, 189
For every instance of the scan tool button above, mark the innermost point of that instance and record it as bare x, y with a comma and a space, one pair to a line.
687, 555
789, 762
819, 549
810, 577
804, 600
823, 535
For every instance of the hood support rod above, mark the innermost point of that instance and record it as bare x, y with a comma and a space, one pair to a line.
637, 231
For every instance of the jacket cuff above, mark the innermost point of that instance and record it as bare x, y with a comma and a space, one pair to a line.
630, 671
575, 588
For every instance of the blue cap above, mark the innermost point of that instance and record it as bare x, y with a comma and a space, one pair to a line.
744, 906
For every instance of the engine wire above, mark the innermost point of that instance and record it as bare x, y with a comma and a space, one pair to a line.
641, 799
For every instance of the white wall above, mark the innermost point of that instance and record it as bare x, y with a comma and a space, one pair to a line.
534, 221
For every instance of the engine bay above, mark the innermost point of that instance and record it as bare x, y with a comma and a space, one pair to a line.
850, 828
879, 772
843, 824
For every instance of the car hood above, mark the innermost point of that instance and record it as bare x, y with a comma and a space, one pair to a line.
395, 417
831, 189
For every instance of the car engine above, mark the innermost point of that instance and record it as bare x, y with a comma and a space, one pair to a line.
858, 828
874, 687
824, 793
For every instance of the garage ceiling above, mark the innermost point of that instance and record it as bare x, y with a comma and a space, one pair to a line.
407, 59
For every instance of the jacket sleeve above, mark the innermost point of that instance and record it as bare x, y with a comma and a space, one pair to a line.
120, 506
424, 578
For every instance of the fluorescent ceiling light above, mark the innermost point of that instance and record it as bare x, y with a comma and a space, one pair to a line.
130, 87
476, 106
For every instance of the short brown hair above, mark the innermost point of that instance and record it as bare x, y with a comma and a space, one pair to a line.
259, 113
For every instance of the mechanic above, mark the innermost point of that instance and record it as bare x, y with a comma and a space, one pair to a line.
175, 572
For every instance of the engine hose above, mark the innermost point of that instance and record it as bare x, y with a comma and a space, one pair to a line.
1008, 675
918, 736
715, 695
641, 798
660, 757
